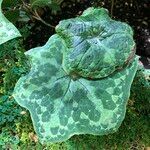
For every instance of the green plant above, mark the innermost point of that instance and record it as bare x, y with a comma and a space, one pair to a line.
12, 65
35, 9
141, 86
97, 82
7, 30
24, 127
7, 140
54, 5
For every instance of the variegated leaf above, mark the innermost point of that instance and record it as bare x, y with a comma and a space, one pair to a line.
63, 103
61, 107
7, 30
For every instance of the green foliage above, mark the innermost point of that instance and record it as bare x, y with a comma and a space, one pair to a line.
11, 10
12, 65
9, 4
95, 71
131, 135
54, 5
11, 69
16, 129
7, 29
7, 140
141, 90
15, 11
6, 105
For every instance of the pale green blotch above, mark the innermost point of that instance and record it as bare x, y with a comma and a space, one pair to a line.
7, 30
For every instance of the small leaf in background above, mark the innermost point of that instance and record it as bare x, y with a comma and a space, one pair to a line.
40, 3
23, 16
9, 3
12, 15
54, 5
7, 30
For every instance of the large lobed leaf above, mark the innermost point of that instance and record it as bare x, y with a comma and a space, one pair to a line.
61, 107
61, 104
7, 30
96, 45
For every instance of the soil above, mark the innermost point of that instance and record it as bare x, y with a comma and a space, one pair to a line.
134, 12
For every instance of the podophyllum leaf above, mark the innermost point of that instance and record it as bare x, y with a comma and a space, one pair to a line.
63, 104
7, 30
96, 44
61, 107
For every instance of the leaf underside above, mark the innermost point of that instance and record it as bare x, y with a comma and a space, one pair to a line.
7, 30
61, 107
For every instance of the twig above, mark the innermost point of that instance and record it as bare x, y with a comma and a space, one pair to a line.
37, 16
112, 7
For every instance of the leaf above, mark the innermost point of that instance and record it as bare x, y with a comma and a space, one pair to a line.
63, 104
8, 3
61, 110
12, 16
53, 4
7, 30
92, 50
40, 3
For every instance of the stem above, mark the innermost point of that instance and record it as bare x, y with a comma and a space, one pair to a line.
23, 2
37, 16
112, 7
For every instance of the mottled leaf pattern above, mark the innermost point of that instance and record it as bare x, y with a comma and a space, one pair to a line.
96, 44
61, 107
61, 104
7, 30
